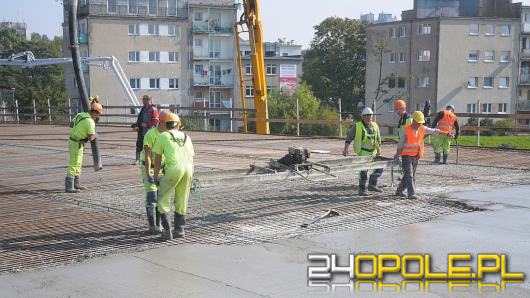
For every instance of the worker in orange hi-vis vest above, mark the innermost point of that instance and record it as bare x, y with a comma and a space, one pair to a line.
445, 121
410, 148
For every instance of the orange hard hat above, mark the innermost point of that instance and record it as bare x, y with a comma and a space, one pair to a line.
163, 115
399, 104
96, 107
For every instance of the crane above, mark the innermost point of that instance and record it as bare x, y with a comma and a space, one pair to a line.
251, 19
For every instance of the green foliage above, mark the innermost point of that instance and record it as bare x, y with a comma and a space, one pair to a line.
283, 106
39, 83
520, 142
335, 64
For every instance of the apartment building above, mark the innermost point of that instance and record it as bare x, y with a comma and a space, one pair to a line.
283, 66
524, 75
464, 61
177, 52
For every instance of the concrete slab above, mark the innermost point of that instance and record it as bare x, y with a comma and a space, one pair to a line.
279, 269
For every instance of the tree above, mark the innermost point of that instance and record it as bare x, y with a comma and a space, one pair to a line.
283, 106
335, 64
39, 83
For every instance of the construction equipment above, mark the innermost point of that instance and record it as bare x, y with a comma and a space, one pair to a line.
251, 20
327, 214
296, 161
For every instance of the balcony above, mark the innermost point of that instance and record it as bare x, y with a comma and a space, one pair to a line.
83, 38
214, 81
201, 53
526, 28
523, 105
525, 54
210, 28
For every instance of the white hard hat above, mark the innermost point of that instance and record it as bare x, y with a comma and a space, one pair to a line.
367, 111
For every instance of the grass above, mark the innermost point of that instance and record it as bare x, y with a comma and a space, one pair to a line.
519, 142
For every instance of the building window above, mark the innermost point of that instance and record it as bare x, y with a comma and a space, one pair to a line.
112, 6
392, 58
471, 108
154, 83
402, 57
424, 55
486, 108
392, 82
271, 69
197, 16
505, 56
248, 69
503, 108
506, 30
489, 56
154, 56
392, 33
199, 70
172, 8
424, 29
134, 56
269, 89
173, 83
473, 29
153, 7
153, 29
422, 82
215, 48
215, 99
173, 57
133, 6
402, 31
197, 42
134, 29
401, 82
488, 82
489, 29
504, 82
473, 56
472, 82
173, 30
135, 83
249, 91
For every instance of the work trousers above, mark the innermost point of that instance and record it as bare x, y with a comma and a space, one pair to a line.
409, 165
75, 150
175, 186
441, 143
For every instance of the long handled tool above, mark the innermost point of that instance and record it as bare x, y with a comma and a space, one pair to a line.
327, 214
457, 153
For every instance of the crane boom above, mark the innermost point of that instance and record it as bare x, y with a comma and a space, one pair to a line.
251, 19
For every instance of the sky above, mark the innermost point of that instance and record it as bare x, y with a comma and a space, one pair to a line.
289, 19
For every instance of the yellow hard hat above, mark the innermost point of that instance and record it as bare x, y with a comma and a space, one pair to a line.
172, 117
418, 117
96, 107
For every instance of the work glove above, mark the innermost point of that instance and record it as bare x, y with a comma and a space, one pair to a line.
150, 179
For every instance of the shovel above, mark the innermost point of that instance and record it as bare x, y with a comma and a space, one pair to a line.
327, 214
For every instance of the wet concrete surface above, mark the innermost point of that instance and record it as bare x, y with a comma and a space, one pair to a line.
279, 268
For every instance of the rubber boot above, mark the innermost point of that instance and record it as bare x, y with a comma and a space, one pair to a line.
362, 188
166, 223
446, 155
153, 229
78, 185
179, 223
69, 185
157, 220
436, 157
372, 184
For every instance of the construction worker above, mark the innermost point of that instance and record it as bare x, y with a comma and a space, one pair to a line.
410, 148
367, 142
147, 119
147, 168
177, 149
83, 130
444, 121
400, 107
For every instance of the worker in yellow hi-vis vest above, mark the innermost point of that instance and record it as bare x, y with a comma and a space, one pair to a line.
177, 149
83, 130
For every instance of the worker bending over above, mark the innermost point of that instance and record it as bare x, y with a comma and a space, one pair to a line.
445, 121
83, 130
147, 157
366, 142
177, 149
410, 148
400, 107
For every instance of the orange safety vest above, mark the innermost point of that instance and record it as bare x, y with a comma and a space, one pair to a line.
413, 143
447, 122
